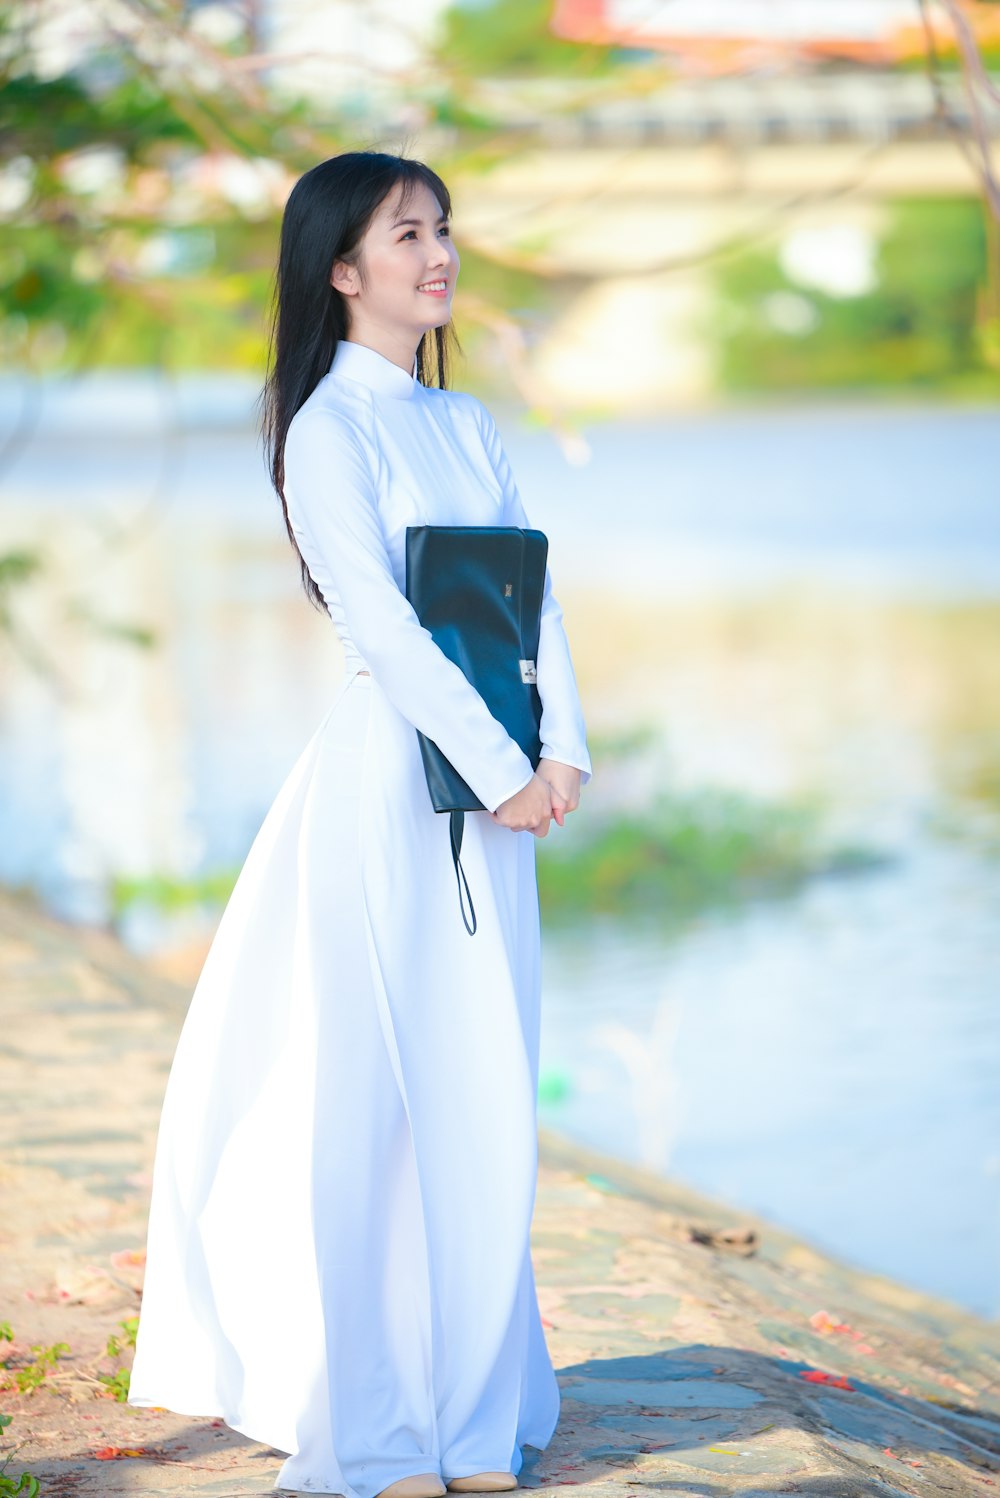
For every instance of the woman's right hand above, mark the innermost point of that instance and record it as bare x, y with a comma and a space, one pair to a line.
529, 809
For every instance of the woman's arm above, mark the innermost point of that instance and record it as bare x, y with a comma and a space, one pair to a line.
563, 731
330, 493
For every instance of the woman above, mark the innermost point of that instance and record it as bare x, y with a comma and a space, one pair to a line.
338, 1255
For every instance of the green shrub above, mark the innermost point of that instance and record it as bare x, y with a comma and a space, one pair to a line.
686, 852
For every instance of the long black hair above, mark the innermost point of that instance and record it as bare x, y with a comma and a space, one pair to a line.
327, 214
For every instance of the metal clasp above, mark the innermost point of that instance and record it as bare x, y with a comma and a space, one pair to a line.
528, 671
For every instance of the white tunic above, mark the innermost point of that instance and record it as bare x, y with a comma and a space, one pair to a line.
338, 1251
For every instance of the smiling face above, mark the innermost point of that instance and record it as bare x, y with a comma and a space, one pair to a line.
404, 279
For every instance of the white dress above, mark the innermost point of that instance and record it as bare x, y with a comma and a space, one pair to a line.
338, 1256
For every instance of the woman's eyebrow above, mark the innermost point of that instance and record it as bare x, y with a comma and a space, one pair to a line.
443, 218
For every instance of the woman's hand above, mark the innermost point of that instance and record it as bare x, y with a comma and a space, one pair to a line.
564, 784
529, 809
553, 790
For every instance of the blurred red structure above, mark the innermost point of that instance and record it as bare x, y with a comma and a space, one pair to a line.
724, 36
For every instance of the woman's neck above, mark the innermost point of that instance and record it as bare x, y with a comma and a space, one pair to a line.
399, 348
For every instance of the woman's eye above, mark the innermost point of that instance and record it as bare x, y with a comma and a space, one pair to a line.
444, 230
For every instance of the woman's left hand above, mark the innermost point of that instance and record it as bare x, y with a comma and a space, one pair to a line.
564, 782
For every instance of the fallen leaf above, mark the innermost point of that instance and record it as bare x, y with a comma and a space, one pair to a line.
817, 1376
113, 1453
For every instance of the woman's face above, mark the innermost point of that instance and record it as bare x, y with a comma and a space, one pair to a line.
407, 253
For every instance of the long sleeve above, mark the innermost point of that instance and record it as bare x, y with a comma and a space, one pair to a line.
563, 731
331, 498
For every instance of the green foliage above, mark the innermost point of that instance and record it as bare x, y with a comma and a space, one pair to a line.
24, 1486
132, 257
687, 852
34, 283
513, 37
167, 894
49, 116
191, 317
117, 1382
30, 1376
916, 328
148, 270
17, 567
56, 275
128, 633
970, 810
982, 782
130, 1327
77, 284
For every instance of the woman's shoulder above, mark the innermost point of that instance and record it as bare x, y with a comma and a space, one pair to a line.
337, 407
464, 403
346, 409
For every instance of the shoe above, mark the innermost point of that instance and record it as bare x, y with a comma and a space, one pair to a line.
425, 1485
483, 1482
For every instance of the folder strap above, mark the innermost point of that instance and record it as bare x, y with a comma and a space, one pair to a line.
456, 828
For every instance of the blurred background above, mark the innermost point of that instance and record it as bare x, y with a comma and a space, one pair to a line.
730, 284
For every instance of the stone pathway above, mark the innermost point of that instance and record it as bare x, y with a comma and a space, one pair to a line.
700, 1351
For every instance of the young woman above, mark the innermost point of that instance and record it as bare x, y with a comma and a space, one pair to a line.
338, 1254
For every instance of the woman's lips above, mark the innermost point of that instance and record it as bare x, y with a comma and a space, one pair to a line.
432, 291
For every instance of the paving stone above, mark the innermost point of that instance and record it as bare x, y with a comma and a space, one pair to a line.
682, 1393
665, 1348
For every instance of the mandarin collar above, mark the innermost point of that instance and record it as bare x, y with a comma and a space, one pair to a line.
356, 361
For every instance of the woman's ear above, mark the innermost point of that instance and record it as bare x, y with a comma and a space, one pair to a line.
343, 278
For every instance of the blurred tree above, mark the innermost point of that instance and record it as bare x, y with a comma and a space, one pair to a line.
142, 187
915, 327
142, 178
144, 167
512, 37
114, 180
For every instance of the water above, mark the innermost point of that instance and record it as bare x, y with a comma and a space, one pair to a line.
801, 600
831, 1062
878, 498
